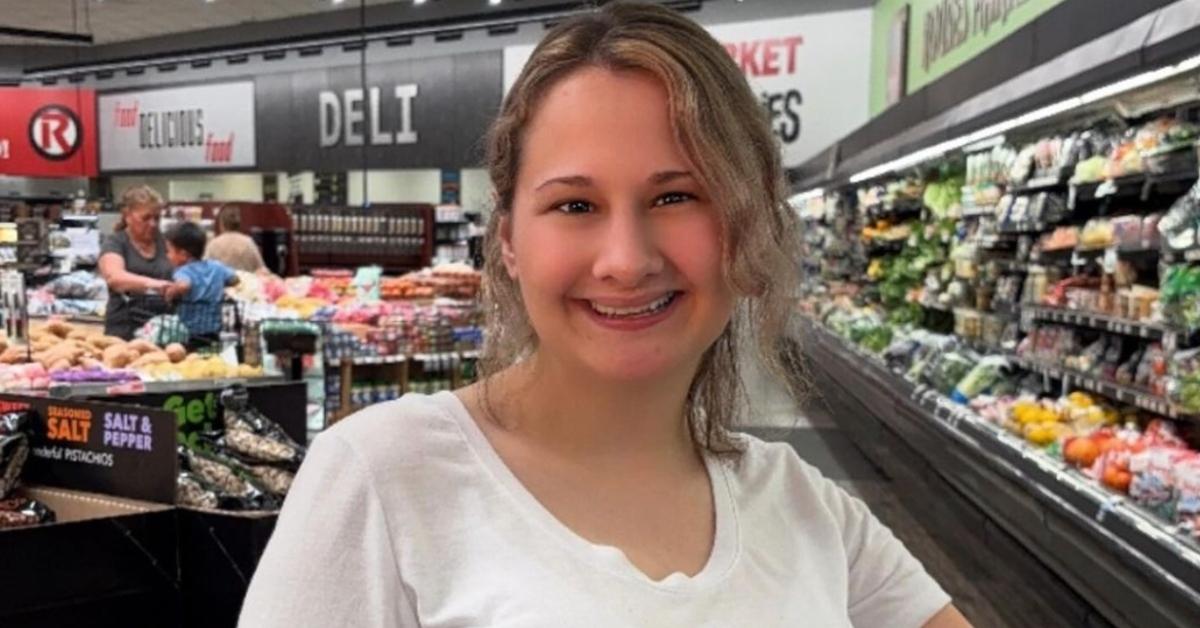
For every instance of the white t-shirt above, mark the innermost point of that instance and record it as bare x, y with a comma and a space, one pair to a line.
404, 515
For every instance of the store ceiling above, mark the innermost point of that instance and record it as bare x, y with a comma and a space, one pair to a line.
114, 21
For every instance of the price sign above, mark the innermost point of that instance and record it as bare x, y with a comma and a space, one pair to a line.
1072, 193
1170, 341
1110, 259
1108, 188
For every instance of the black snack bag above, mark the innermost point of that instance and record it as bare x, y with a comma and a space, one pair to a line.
255, 438
14, 449
14, 422
232, 486
19, 512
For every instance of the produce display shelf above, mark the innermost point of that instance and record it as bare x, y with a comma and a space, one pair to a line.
935, 306
100, 389
1140, 184
977, 211
1129, 395
1021, 227
885, 247
365, 360
907, 208
1134, 568
1013, 266
1104, 322
1189, 255
998, 241
1040, 184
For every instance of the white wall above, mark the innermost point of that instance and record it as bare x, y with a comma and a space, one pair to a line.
475, 191
395, 186
162, 185
183, 188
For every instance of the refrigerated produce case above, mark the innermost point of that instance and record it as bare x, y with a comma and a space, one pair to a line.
1021, 309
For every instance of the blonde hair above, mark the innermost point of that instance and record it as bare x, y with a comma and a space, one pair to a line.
725, 132
137, 196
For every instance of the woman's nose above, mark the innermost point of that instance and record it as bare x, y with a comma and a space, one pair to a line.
627, 253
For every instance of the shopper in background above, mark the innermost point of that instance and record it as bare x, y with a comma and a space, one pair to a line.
232, 247
640, 242
198, 286
133, 261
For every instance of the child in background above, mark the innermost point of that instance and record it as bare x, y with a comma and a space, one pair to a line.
199, 284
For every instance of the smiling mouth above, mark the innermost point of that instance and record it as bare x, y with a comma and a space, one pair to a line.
649, 309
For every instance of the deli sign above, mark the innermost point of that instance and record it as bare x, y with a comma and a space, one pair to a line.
194, 127
47, 132
413, 113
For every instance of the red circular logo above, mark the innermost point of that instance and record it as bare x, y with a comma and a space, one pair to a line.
55, 132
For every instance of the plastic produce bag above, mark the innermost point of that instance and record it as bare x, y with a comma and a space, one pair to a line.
1178, 226
948, 369
980, 380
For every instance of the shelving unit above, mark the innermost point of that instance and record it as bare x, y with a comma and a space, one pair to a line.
1111, 324
399, 238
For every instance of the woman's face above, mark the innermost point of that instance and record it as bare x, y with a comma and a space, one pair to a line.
142, 222
612, 238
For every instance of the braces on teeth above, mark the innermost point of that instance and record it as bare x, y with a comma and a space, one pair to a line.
651, 308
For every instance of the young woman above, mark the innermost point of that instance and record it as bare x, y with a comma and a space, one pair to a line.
640, 241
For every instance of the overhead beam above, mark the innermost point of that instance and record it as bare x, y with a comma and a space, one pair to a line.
34, 33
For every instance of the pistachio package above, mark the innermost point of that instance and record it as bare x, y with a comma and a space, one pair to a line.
253, 437
14, 449
196, 493
226, 478
17, 512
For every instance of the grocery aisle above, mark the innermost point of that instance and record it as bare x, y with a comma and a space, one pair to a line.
995, 583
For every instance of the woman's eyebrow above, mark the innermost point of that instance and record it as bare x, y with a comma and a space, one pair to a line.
668, 176
575, 180
578, 180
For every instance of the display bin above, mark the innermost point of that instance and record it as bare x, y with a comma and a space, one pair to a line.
106, 561
218, 553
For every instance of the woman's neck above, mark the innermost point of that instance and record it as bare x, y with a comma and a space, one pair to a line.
569, 410
143, 244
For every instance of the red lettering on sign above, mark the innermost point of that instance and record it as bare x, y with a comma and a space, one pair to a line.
218, 151
54, 128
125, 116
766, 57
793, 44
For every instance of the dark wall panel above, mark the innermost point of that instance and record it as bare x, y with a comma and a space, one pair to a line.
455, 101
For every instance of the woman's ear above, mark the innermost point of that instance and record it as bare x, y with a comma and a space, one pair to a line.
506, 247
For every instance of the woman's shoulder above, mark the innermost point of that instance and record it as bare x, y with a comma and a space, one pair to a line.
400, 433
776, 464
116, 241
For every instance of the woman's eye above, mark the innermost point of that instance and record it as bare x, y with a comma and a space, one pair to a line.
574, 207
671, 198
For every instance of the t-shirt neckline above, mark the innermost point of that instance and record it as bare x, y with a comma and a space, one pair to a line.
722, 556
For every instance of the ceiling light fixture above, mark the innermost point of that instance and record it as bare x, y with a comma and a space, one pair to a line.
493, 2
1037, 115
807, 196
418, 2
